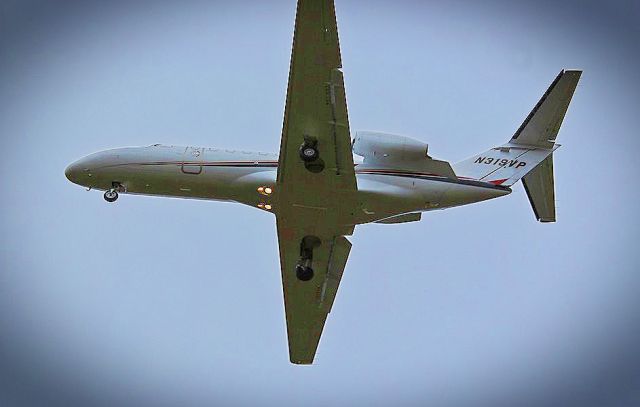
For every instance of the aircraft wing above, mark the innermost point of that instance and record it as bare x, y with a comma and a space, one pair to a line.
307, 303
314, 198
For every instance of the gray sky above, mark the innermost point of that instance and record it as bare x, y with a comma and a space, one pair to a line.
169, 301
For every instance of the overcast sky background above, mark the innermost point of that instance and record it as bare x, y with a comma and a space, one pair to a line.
169, 301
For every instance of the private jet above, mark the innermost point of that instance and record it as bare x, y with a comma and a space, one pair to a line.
314, 188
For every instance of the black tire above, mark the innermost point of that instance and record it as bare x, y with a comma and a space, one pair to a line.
111, 196
304, 273
308, 153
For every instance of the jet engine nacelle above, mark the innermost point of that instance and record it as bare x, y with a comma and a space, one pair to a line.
388, 147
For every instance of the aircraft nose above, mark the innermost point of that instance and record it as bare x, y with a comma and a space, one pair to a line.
79, 171
72, 172
87, 170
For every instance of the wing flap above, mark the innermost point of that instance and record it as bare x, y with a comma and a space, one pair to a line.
337, 262
340, 126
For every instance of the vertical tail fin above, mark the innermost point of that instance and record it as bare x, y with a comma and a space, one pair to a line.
503, 165
529, 152
541, 127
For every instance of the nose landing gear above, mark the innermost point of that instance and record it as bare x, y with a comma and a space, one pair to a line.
111, 195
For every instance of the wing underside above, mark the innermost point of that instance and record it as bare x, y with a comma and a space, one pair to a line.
314, 199
307, 303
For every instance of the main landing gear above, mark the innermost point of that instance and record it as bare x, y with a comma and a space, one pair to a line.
310, 155
304, 271
308, 152
309, 149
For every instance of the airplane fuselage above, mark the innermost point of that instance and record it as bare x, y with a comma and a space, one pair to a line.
250, 178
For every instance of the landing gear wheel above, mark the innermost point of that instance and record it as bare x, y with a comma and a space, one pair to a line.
308, 153
111, 195
304, 273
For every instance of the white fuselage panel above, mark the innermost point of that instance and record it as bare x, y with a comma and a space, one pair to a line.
217, 174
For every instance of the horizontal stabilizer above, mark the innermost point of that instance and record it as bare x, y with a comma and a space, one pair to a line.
540, 189
405, 218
